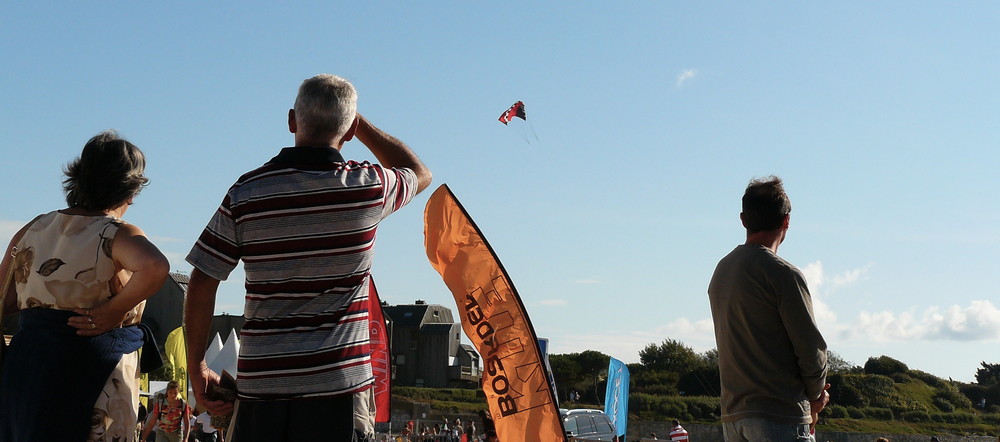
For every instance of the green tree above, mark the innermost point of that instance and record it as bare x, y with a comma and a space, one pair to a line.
838, 365
580, 371
670, 355
711, 357
988, 375
655, 382
566, 371
595, 364
702, 378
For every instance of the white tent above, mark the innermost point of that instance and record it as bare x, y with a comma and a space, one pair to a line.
226, 359
213, 350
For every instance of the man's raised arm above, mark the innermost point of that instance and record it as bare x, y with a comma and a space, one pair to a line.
391, 152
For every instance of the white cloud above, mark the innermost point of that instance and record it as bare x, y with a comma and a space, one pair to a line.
554, 302
699, 334
685, 76
817, 279
700, 331
979, 321
850, 277
867, 332
814, 275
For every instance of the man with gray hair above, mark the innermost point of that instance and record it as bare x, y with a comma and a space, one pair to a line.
772, 357
304, 226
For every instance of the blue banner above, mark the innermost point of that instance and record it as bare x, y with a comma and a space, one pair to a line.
543, 345
616, 396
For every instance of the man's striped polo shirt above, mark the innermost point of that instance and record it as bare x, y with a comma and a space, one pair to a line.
304, 225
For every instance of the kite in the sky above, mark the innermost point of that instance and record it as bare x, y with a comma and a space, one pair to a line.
517, 110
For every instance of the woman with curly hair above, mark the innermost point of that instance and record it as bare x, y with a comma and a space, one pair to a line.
81, 276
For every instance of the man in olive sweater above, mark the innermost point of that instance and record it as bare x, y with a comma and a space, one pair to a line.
772, 357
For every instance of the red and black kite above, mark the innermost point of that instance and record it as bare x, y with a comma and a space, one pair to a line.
517, 110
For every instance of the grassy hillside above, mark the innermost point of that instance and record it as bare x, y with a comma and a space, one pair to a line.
904, 402
443, 399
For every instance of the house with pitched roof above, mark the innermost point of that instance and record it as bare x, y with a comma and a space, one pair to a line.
427, 349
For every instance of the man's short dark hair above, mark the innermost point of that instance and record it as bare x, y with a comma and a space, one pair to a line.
106, 175
765, 204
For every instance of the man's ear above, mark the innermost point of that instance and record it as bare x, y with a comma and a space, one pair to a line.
349, 135
743, 220
292, 127
785, 220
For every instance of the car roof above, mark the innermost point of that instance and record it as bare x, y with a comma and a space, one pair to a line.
565, 412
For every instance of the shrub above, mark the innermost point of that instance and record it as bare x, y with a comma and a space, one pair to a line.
882, 414
704, 408
641, 402
937, 418
879, 391
884, 365
658, 390
856, 413
862, 390
953, 396
659, 405
684, 408
851, 396
901, 378
902, 405
915, 416
990, 419
959, 418
440, 394
943, 404
928, 378
835, 412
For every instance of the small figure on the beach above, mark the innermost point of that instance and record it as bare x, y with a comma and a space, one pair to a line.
678, 433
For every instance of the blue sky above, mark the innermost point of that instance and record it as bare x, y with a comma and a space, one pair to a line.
650, 118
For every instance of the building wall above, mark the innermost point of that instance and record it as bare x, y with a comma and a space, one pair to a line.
434, 360
404, 344
422, 348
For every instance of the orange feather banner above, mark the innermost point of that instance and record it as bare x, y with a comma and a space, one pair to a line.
515, 381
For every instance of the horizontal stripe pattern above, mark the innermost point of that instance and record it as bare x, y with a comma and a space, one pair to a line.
305, 231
